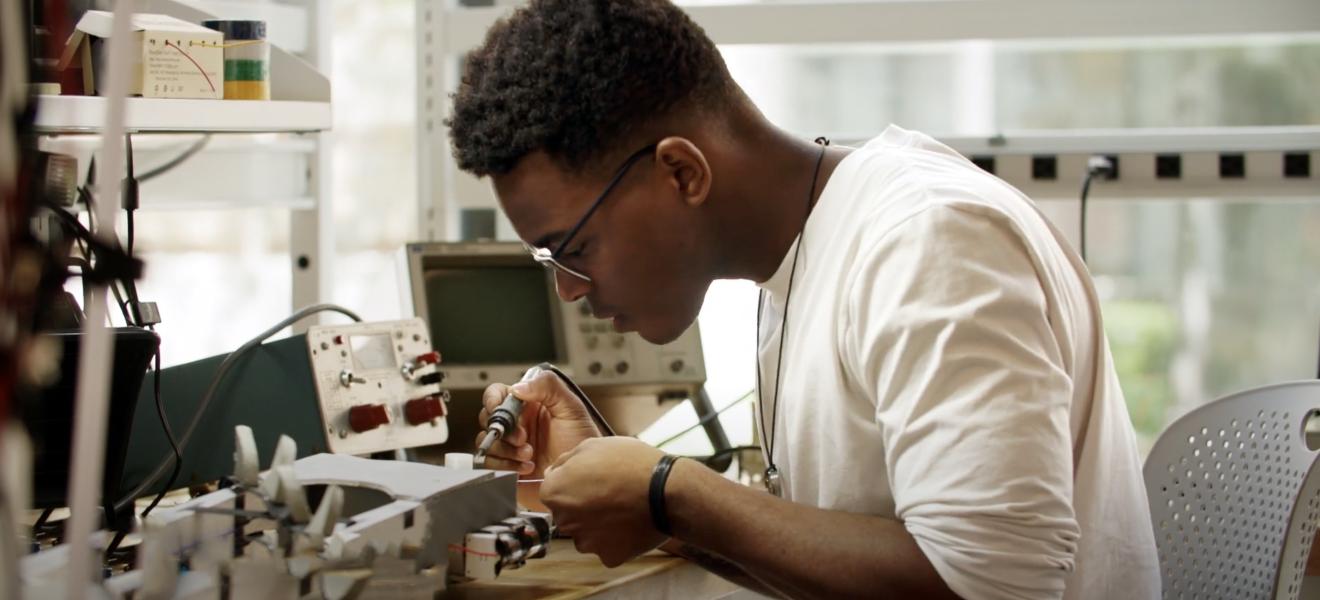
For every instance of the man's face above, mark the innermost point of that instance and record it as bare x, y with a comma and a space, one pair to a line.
639, 247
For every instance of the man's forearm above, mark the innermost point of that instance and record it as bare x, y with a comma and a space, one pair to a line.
797, 550
718, 565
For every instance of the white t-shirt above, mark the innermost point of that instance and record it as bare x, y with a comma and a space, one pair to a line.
946, 366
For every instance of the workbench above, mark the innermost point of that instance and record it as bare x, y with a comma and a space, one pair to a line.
566, 574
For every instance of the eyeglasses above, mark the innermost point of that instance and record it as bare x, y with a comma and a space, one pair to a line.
550, 259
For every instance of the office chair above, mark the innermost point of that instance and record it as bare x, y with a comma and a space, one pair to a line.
1235, 495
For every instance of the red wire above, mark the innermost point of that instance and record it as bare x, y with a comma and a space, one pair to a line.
466, 550
190, 59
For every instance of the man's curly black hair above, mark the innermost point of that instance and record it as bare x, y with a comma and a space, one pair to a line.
577, 78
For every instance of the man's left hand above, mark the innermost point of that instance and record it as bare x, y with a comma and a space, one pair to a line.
598, 494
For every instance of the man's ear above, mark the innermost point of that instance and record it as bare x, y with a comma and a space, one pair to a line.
685, 169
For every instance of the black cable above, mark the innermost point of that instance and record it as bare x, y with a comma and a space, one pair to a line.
111, 262
85, 192
169, 436
85, 267
609, 431
706, 419
119, 299
131, 197
95, 247
707, 460
131, 200
114, 544
1086, 189
225, 365
176, 161
577, 391
130, 289
129, 246
1096, 166
41, 520
82, 246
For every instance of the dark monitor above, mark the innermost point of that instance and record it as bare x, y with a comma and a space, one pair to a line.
493, 312
491, 309
48, 414
502, 314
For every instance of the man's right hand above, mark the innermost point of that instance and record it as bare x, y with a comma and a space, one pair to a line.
553, 421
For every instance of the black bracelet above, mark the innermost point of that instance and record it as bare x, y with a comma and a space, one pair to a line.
659, 515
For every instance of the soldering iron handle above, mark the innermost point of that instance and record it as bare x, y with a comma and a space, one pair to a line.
505, 416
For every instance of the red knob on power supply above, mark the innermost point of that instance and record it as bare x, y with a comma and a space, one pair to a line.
423, 410
430, 358
365, 417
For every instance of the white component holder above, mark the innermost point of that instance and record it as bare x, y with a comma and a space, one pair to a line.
458, 460
376, 386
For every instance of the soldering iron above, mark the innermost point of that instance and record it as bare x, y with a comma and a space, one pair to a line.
504, 418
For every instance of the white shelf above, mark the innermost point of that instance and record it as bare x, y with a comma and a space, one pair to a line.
86, 114
893, 21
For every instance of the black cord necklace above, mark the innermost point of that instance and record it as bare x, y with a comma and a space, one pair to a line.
772, 479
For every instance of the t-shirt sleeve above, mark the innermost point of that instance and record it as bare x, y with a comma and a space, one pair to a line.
947, 330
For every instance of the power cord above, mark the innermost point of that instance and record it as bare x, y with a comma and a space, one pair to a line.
224, 368
709, 460
169, 436
609, 431
111, 262
131, 197
1096, 166
176, 161
577, 391
706, 419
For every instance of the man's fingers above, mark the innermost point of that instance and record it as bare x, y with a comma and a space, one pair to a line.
517, 437
492, 397
523, 452
549, 391
563, 458
496, 463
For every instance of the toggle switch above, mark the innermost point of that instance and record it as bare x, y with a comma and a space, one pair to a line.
347, 378
423, 410
365, 417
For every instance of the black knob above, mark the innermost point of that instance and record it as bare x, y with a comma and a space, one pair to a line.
431, 378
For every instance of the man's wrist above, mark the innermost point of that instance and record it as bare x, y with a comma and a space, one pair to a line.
656, 494
680, 497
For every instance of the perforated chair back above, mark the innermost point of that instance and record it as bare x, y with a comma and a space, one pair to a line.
1235, 495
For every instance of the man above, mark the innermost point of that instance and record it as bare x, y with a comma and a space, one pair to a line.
938, 399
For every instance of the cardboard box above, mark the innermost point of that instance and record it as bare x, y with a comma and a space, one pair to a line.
171, 58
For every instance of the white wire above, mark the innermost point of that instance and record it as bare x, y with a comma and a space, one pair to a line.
216, 380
